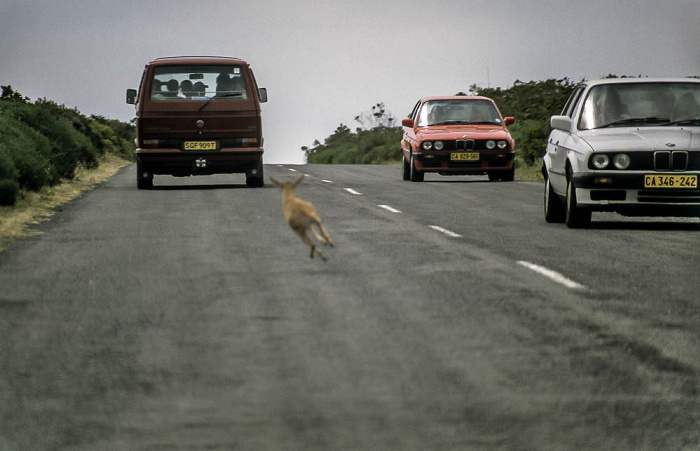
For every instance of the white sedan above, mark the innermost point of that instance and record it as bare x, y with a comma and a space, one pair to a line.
629, 145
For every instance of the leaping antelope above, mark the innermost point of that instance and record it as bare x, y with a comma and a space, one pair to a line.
302, 216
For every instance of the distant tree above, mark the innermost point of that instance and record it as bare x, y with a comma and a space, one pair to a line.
9, 94
376, 141
377, 117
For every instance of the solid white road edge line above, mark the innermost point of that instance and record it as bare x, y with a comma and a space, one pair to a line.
445, 231
389, 208
352, 191
553, 275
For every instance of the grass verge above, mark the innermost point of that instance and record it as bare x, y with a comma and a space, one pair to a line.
32, 207
527, 172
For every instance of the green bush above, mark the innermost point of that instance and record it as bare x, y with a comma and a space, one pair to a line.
9, 190
29, 152
530, 139
377, 145
7, 166
42, 142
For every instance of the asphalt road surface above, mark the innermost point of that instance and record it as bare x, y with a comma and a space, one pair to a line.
449, 316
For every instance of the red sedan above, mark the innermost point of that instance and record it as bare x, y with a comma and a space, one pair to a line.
457, 136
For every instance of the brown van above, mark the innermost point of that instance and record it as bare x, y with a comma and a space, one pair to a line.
198, 115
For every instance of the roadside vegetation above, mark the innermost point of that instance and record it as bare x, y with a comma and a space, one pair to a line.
49, 154
376, 140
43, 143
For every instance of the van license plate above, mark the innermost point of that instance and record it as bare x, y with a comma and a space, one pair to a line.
670, 181
464, 156
200, 145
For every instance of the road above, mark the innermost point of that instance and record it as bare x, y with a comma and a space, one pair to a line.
449, 316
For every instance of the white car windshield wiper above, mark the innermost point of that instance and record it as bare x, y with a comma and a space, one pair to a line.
685, 122
636, 120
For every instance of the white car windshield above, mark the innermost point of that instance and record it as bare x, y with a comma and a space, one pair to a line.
458, 111
641, 104
195, 82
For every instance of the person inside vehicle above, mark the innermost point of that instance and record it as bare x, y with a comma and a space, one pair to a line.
238, 87
223, 85
200, 90
686, 108
437, 115
172, 87
481, 113
609, 107
187, 89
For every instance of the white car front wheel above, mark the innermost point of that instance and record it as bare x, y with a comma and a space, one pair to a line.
576, 217
553, 207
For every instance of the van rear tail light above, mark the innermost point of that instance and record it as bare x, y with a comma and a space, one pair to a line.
249, 142
153, 143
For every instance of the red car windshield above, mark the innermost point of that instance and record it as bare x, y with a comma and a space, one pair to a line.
457, 111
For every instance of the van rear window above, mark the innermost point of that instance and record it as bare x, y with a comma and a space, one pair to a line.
198, 82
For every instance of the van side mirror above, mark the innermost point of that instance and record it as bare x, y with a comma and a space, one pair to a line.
509, 120
131, 96
562, 123
262, 93
408, 123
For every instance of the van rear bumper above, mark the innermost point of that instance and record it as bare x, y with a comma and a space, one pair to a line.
183, 163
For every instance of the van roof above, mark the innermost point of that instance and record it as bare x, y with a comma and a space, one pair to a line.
197, 60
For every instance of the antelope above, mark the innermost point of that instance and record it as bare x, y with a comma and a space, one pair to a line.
302, 216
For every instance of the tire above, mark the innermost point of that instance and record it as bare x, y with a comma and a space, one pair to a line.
415, 174
508, 176
576, 217
502, 176
405, 168
554, 211
257, 179
144, 179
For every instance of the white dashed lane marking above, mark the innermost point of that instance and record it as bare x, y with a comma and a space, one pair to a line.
352, 191
389, 208
447, 232
553, 275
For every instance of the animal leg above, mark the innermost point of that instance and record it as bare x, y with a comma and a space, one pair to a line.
326, 237
321, 239
309, 242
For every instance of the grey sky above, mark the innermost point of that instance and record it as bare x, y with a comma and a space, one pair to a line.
324, 62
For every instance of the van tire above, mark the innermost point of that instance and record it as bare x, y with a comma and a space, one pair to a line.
144, 179
256, 180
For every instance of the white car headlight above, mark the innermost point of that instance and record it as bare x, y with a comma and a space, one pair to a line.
427, 145
438, 145
502, 144
600, 161
490, 144
622, 161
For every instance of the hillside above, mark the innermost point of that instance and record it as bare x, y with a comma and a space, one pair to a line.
42, 143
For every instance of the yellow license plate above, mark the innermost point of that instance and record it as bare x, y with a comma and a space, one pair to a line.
670, 181
464, 156
200, 145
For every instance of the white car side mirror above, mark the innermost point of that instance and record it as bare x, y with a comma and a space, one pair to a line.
562, 123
